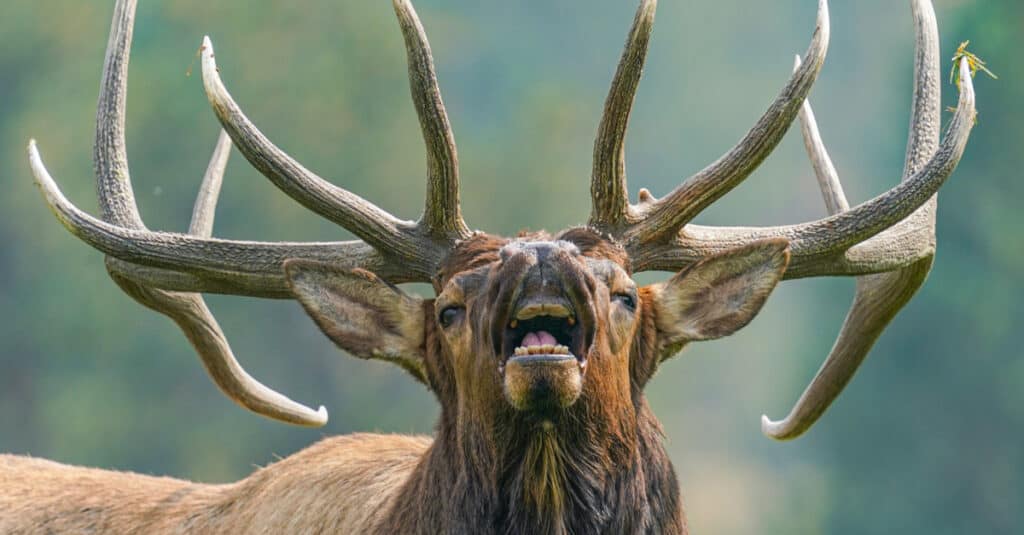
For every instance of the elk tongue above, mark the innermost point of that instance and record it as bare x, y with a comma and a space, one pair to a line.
538, 338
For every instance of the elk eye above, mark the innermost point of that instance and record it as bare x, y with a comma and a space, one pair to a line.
627, 299
449, 315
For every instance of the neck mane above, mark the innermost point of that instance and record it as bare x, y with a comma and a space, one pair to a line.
563, 475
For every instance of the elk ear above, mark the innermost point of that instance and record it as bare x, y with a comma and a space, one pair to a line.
718, 295
361, 313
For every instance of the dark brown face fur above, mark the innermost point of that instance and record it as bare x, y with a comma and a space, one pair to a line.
555, 437
547, 465
559, 291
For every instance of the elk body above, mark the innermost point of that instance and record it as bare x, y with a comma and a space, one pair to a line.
537, 347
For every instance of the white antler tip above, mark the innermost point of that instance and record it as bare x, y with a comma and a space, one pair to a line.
823, 22
206, 54
314, 419
33, 150
771, 428
211, 78
36, 162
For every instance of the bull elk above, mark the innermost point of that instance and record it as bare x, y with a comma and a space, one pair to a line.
537, 347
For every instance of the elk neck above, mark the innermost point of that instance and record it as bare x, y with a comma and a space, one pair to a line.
594, 468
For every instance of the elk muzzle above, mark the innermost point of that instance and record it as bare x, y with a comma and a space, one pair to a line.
545, 333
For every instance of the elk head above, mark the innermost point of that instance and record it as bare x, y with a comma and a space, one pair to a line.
540, 326
533, 325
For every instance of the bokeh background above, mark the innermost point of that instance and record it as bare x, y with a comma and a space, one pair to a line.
929, 437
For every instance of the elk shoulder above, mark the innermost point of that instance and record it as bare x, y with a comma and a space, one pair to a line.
42, 496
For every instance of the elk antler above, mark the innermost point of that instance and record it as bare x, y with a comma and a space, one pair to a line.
887, 242
878, 297
163, 270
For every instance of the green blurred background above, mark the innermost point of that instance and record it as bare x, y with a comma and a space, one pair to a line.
929, 438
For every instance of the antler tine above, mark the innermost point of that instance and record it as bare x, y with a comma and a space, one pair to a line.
110, 159
824, 170
608, 192
197, 323
826, 246
395, 250
662, 219
205, 208
210, 264
190, 313
176, 261
154, 267
442, 215
373, 225
117, 202
878, 298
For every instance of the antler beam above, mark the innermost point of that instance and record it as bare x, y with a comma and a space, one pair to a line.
870, 238
655, 221
161, 270
442, 219
887, 242
190, 313
825, 246
117, 203
663, 218
879, 297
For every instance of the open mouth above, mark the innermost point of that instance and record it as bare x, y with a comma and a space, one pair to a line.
542, 331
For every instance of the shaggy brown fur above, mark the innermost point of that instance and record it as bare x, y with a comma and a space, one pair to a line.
595, 467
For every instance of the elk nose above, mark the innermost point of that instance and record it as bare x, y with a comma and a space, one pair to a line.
544, 283
543, 291
539, 269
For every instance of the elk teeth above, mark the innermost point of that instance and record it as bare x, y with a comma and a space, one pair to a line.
545, 349
571, 320
514, 324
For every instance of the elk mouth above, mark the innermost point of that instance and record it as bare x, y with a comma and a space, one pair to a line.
543, 354
544, 330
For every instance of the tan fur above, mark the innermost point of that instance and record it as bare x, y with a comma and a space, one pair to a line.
719, 295
582, 456
339, 485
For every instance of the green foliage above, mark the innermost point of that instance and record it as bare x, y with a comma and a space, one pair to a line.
973, 62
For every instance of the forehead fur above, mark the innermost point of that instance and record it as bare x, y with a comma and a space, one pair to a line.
597, 245
482, 249
478, 250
